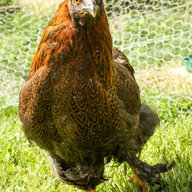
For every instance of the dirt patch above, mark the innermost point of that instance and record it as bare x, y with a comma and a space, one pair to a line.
175, 73
175, 79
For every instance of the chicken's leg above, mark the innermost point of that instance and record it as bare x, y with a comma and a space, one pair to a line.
143, 185
144, 174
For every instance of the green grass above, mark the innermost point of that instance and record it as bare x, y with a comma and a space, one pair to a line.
7, 2
154, 38
150, 39
25, 167
19, 36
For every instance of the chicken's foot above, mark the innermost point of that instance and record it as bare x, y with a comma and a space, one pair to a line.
145, 175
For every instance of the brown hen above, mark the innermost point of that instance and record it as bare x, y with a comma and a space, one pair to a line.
81, 102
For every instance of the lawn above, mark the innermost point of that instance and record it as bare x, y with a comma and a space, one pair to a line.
25, 167
155, 44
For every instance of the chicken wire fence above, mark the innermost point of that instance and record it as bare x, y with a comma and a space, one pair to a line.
154, 34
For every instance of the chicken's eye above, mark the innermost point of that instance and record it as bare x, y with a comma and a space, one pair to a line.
76, 1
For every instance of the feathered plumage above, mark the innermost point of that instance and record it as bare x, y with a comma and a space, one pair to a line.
81, 102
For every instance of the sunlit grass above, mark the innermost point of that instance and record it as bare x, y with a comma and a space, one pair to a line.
25, 167
150, 43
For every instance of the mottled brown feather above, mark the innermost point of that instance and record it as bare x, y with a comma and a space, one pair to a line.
80, 101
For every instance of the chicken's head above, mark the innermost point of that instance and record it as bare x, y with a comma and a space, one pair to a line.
85, 12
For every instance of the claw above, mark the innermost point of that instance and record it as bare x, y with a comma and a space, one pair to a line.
145, 175
143, 186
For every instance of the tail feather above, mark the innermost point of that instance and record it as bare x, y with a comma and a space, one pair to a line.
148, 120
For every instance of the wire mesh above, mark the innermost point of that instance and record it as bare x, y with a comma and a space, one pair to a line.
154, 34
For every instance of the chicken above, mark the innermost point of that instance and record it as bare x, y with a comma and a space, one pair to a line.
81, 102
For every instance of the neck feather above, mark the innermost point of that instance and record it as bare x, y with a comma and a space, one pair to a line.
87, 47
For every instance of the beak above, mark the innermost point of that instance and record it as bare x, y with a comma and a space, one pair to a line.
93, 11
91, 8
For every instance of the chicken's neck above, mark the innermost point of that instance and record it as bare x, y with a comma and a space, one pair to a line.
89, 48
79, 50
93, 48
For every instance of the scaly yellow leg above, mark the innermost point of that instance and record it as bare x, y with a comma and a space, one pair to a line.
143, 185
